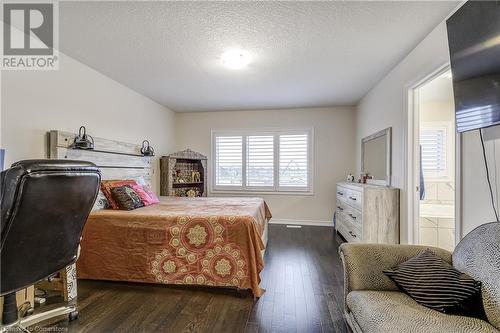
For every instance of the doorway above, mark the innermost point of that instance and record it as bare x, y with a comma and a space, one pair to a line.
434, 163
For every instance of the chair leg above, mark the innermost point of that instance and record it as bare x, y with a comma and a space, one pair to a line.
10, 318
9, 313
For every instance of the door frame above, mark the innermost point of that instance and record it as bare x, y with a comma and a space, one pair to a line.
411, 212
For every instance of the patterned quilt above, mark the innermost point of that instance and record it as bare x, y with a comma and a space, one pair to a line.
189, 241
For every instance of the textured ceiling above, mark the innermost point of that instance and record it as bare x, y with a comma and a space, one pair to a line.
304, 53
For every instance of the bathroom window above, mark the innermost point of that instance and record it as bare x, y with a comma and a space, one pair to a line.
433, 141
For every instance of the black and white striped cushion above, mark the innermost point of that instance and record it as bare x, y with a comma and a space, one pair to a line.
434, 283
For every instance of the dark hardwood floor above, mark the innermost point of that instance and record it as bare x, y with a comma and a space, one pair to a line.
302, 278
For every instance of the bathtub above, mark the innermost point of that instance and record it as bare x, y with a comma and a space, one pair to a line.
437, 210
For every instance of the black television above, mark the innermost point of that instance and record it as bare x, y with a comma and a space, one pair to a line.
474, 43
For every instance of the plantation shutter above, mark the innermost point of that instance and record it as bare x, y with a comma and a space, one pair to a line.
229, 160
294, 161
433, 142
260, 161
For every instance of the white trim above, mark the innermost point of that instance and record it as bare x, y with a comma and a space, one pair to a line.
261, 192
318, 223
458, 188
409, 131
409, 208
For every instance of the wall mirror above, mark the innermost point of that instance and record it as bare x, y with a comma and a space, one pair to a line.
376, 157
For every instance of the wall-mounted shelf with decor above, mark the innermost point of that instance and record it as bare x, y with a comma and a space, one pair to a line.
183, 174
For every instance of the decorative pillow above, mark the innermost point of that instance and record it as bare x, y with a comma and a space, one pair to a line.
126, 197
101, 202
434, 283
151, 194
140, 181
107, 185
147, 197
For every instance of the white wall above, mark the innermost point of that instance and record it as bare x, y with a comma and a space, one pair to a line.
34, 102
438, 111
385, 105
1, 113
477, 207
334, 149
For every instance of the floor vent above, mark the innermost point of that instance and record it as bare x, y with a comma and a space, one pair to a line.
293, 226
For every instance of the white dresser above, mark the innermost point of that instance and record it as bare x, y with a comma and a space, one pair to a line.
367, 213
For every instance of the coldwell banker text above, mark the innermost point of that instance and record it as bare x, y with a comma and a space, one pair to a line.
30, 36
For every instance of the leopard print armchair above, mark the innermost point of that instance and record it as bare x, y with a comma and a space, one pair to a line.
373, 303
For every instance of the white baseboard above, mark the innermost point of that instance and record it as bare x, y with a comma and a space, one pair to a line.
302, 222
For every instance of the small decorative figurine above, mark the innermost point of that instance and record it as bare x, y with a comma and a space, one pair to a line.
350, 178
178, 178
364, 177
195, 176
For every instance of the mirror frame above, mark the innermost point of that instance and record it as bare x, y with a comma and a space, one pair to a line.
388, 133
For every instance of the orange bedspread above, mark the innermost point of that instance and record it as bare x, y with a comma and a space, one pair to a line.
193, 241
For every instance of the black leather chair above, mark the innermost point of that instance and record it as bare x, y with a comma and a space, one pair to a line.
44, 207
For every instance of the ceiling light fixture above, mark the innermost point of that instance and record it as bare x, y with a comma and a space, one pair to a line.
235, 58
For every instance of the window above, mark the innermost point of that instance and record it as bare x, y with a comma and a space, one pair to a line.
278, 161
260, 160
228, 156
293, 160
433, 143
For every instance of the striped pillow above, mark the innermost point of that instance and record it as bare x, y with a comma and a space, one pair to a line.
434, 283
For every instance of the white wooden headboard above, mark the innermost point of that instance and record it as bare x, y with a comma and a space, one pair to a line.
116, 160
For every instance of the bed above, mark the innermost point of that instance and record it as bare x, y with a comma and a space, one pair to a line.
188, 241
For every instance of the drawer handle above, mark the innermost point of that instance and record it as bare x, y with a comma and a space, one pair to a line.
340, 208
353, 235
340, 193
354, 199
352, 216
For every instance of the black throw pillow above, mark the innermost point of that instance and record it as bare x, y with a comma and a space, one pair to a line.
126, 197
434, 283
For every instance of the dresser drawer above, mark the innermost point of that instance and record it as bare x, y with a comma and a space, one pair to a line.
356, 234
350, 231
341, 206
343, 227
354, 216
354, 198
342, 194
